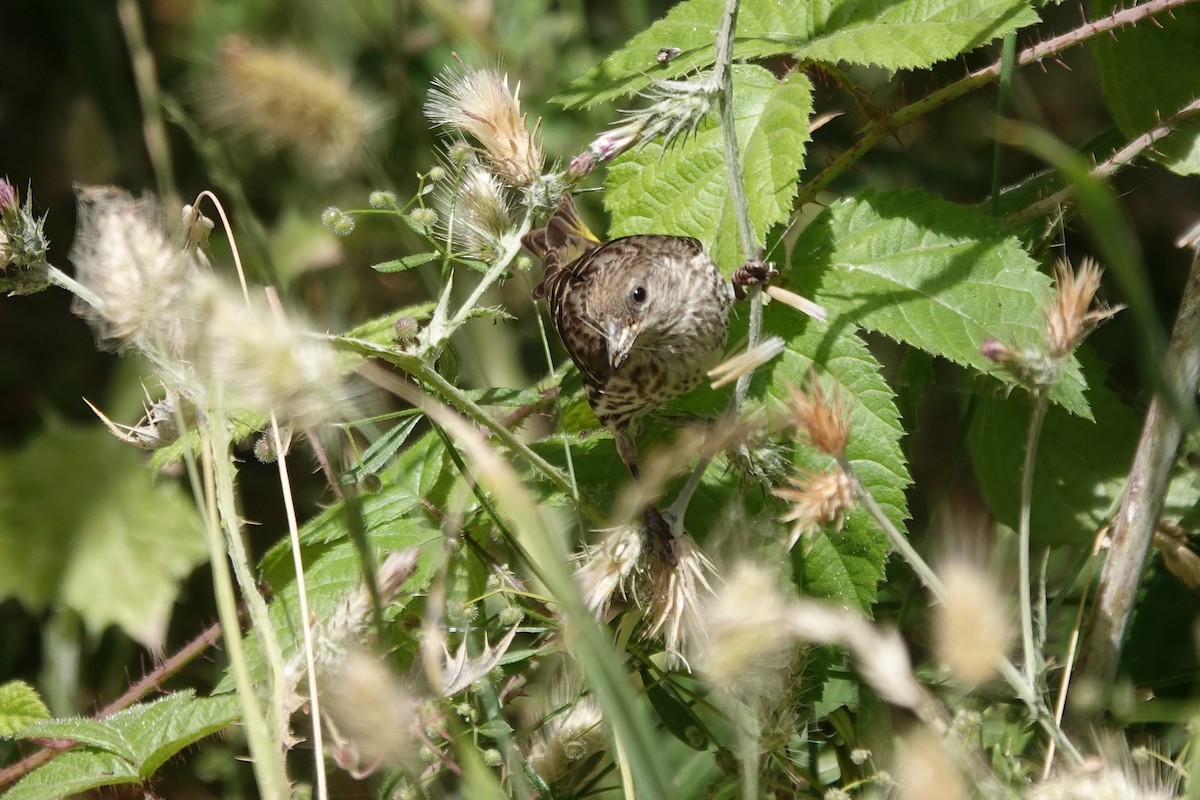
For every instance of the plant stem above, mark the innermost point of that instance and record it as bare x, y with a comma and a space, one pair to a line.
1008, 58
1133, 528
1014, 677
314, 700
154, 131
878, 130
1111, 165
269, 771
1028, 647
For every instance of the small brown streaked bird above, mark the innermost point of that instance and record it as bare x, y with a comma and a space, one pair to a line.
643, 317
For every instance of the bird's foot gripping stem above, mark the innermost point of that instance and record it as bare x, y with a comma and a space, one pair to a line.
752, 273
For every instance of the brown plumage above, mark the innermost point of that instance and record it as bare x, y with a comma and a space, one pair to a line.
643, 317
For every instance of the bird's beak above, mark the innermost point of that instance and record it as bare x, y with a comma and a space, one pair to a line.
620, 337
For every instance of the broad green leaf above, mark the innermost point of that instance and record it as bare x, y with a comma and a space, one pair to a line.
74, 772
157, 731
842, 566
1148, 73
395, 519
1081, 464
96, 734
905, 34
20, 706
84, 524
684, 190
127, 747
935, 275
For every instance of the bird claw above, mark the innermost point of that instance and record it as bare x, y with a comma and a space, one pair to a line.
752, 273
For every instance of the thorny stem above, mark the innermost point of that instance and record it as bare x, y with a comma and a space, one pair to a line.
1015, 679
879, 129
1134, 526
1111, 165
1028, 646
150, 682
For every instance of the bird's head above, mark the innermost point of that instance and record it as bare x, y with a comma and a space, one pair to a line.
637, 300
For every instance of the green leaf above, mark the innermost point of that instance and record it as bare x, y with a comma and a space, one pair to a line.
395, 519
83, 524
127, 747
1147, 74
938, 276
900, 34
1081, 464
684, 190
96, 734
157, 731
406, 263
842, 566
74, 772
20, 706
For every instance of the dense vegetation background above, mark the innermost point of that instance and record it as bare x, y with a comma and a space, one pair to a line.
93, 594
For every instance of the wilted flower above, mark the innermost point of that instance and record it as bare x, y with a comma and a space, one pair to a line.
821, 417
479, 102
283, 101
606, 567
1069, 319
817, 499
972, 631
675, 596
1070, 316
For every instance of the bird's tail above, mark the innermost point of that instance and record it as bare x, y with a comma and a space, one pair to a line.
565, 238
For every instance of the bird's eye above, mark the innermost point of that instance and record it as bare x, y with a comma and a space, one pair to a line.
638, 295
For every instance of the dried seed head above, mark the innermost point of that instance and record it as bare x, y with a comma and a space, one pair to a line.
372, 716
925, 771
817, 499
606, 567
572, 734
1114, 775
748, 643
255, 357
1070, 316
137, 272
821, 417
479, 102
972, 629
283, 101
675, 596
482, 210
